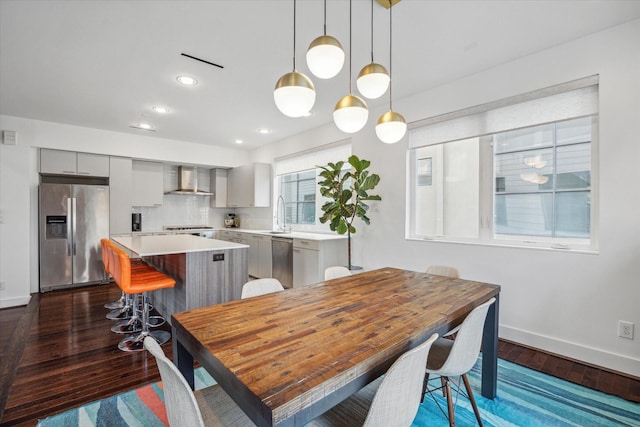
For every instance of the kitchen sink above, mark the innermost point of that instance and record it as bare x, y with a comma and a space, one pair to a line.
276, 232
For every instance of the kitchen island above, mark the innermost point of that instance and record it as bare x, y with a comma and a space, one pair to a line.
206, 271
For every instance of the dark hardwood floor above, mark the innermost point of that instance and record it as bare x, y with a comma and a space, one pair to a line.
58, 353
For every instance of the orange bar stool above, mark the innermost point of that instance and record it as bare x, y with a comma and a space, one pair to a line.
139, 280
131, 312
125, 311
120, 302
130, 315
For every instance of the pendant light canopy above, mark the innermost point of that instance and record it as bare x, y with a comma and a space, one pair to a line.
373, 79
351, 112
294, 93
325, 56
391, 126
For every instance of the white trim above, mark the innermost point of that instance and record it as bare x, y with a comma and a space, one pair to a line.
591, 355
14, 302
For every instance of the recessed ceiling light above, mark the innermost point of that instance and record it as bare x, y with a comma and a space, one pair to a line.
186, 80
263, 131
143, 126
160, 109
307, 114
239, 141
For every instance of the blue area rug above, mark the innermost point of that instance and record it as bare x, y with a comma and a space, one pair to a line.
525, 398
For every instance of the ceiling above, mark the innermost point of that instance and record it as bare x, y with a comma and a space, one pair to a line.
105, 63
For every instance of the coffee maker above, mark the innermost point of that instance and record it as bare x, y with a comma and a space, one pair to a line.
231, 221
136, 222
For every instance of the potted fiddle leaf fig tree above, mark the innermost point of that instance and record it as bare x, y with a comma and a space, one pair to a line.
347, 192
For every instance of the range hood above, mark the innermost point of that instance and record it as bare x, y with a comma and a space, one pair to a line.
188, 182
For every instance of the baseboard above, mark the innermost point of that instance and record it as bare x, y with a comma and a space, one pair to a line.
14, 302
592, 356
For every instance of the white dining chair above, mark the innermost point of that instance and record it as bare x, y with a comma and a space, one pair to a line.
447, 271
210, 406
443, 270
256, 287
454, 358
335, 272
390, 401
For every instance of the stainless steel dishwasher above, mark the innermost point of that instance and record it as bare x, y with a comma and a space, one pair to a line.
282, 260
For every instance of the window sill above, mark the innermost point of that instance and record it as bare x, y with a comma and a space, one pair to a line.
543, 246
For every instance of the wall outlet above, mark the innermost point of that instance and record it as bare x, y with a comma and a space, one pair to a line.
625, 329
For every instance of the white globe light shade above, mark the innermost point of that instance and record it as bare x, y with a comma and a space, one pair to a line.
294, 94
325, 57
391, 127
373, 81
351, 114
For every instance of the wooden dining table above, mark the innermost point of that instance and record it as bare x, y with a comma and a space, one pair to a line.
287, 357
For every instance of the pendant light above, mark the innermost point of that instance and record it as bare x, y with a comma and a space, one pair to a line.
294, 93
373, 79
351, 112
325, 56
391, 126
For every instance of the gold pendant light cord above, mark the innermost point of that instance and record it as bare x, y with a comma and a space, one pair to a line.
294, 35
350, 25
325, 17
372, 31
390, 61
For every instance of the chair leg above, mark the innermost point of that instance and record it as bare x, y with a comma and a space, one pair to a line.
447, 391
136, 342
425, 383
472, 399
122, 313
133, 324
119, 303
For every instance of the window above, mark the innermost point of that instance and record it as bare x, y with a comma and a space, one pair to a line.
517, 171
298, 189
543, 180
296, 182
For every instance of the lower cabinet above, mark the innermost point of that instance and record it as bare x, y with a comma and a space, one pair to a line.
311, 257
260, 265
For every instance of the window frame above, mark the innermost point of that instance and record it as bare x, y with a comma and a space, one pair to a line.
308, 160
486, 180
294, 205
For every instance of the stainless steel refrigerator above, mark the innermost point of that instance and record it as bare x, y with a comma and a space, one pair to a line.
73, 219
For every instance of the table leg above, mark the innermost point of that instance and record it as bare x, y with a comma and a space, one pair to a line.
490, 351
183, 359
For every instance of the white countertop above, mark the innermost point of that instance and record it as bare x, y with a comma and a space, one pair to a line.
173, 244
291, 235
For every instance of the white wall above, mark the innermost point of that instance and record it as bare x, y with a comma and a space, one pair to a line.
19, 185
564, 302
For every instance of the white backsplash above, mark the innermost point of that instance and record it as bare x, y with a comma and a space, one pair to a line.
255, 218
180, 209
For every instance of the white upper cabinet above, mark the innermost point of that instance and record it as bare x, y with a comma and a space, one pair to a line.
71, 163
218, 188
148, 187
120, 195
249, 186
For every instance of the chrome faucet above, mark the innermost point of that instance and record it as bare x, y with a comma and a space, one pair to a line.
283, 226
